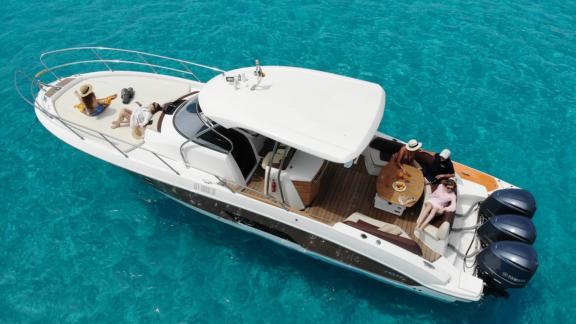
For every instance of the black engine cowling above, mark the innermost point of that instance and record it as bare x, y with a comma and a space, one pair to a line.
507, 264
509, 201
509, 261
507, 228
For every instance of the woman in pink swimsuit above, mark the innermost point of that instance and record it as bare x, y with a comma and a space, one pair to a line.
443, 199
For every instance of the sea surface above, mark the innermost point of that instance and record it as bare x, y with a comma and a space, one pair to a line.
83, 241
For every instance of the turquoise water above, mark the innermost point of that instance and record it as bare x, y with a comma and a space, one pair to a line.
82, 241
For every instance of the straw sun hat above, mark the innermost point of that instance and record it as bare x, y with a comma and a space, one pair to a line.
85, 90
413, 145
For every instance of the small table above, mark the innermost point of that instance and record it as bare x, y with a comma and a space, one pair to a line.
393, 201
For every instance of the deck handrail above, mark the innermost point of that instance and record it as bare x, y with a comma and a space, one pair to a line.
98, 50
221, 181
79, 130
151, 66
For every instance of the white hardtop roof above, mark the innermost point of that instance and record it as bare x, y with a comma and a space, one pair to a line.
326, 115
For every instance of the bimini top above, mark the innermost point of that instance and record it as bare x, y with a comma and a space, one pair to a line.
323, 114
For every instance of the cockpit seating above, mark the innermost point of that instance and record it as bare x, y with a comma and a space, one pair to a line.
435, 234
378, 154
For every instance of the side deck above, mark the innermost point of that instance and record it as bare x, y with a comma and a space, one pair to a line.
345, 191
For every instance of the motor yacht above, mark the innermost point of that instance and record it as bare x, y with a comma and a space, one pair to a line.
293, 155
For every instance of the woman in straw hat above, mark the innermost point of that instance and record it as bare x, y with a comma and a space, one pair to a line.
406, 155
89, 105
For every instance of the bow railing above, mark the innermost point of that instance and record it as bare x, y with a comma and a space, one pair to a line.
109, 58
100, 56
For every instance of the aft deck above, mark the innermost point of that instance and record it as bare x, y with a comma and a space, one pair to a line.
345, 191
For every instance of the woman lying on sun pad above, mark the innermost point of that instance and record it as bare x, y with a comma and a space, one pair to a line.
138, 119
89, 105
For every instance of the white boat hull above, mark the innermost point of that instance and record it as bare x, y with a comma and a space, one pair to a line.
199, 190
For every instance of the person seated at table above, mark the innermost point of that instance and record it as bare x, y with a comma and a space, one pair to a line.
406, 154
443, 199
89, 105
440, 168
138, 119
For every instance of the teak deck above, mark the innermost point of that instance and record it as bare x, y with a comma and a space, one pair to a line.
345, 191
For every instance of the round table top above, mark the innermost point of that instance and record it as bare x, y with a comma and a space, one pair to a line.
414, 184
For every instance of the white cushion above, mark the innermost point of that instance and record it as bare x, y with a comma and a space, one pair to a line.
439, 233
382, 226
359, 216
391, 229
443, 230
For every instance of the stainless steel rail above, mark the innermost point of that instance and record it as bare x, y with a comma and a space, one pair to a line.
98, 51
36, 84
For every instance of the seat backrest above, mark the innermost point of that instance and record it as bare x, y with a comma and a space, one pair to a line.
386, 147
423, 158
445, 217
398, 240
157, 119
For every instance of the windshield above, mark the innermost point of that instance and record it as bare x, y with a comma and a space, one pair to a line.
186, 119
188, 124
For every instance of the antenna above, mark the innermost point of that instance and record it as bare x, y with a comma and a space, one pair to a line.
258, 72
259, 75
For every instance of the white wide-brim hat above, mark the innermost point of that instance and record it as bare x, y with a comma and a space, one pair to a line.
413, 145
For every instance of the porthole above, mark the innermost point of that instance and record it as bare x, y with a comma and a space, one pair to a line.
364, 236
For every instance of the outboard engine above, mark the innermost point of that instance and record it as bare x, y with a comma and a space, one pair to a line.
507, 264
509, 260
509, 201
507, 228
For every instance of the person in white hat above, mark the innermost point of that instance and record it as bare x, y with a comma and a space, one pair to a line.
440, 168
407, 153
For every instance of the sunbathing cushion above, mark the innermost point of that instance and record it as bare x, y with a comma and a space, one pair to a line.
400, 241
391, 228
443, 230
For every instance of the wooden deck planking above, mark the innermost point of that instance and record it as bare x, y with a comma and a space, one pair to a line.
345, 191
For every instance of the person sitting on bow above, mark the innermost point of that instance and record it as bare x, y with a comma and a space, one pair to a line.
440, 168
89, 105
